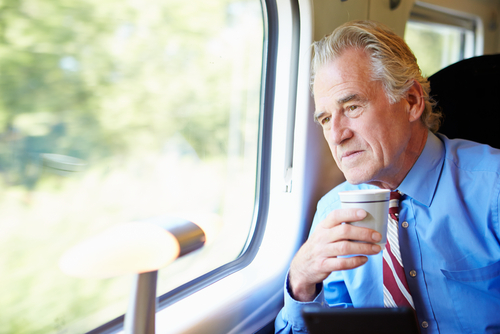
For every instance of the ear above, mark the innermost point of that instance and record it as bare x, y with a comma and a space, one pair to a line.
416, 102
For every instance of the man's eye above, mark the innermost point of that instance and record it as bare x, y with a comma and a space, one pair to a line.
325, 120
353, 111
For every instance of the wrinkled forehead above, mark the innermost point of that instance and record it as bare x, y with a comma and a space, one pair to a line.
351, 69
352, 61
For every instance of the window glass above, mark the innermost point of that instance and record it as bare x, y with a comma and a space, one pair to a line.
116, 111
437, 45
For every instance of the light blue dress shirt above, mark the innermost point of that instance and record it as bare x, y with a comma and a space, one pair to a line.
450, 244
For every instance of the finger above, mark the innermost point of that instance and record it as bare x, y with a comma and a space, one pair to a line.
351, 232
343, 248
344, 263
339, 216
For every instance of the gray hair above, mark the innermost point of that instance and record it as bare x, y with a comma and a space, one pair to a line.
392, 61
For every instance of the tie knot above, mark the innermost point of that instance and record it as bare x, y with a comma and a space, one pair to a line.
395, 195
394, 204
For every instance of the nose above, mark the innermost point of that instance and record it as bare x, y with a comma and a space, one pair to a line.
339, 130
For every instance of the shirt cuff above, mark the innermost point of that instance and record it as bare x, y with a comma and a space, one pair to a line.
293, 308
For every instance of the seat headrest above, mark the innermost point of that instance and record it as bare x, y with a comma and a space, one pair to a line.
468, 94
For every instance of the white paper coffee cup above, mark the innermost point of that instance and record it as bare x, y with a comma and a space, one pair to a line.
376, 204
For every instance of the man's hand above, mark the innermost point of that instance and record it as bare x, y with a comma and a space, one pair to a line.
318, 257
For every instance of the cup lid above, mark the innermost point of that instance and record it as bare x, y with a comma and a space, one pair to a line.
365, 195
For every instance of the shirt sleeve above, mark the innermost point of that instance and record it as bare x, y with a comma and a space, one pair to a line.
332, 293
290, 320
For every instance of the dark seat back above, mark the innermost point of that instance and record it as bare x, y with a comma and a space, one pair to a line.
468, 93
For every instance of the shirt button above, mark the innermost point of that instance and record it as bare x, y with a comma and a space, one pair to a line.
405, 224
413, 273
425, 324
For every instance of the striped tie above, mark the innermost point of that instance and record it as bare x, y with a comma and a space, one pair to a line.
396, 291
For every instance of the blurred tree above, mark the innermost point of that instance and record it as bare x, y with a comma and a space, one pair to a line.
88, 79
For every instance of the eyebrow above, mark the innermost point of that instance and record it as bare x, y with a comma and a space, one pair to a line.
352, 97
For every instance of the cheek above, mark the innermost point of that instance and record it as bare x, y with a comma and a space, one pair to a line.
330, 145
380, 153
378, 139
333, 150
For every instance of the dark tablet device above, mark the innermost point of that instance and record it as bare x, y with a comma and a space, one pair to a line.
360, 320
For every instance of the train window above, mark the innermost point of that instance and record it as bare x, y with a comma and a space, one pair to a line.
439, 39
116, 111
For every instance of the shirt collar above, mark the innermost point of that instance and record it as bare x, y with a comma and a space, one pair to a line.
421, 182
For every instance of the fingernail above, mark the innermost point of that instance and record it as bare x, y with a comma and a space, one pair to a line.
361, 214
376, 248
376, 236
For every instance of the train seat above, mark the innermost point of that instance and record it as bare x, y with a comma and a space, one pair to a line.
467, 92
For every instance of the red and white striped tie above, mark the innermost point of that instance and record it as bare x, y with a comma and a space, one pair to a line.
396, 291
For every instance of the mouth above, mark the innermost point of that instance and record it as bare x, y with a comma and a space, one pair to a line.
346, 156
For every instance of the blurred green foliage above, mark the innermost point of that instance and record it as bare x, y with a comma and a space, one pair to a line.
435, 46
86, 78
111, 83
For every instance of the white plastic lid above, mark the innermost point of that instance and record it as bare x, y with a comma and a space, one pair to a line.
365, 195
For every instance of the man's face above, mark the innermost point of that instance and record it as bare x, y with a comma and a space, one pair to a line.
366, 134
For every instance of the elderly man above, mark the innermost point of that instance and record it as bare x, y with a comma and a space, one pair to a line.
377, 117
